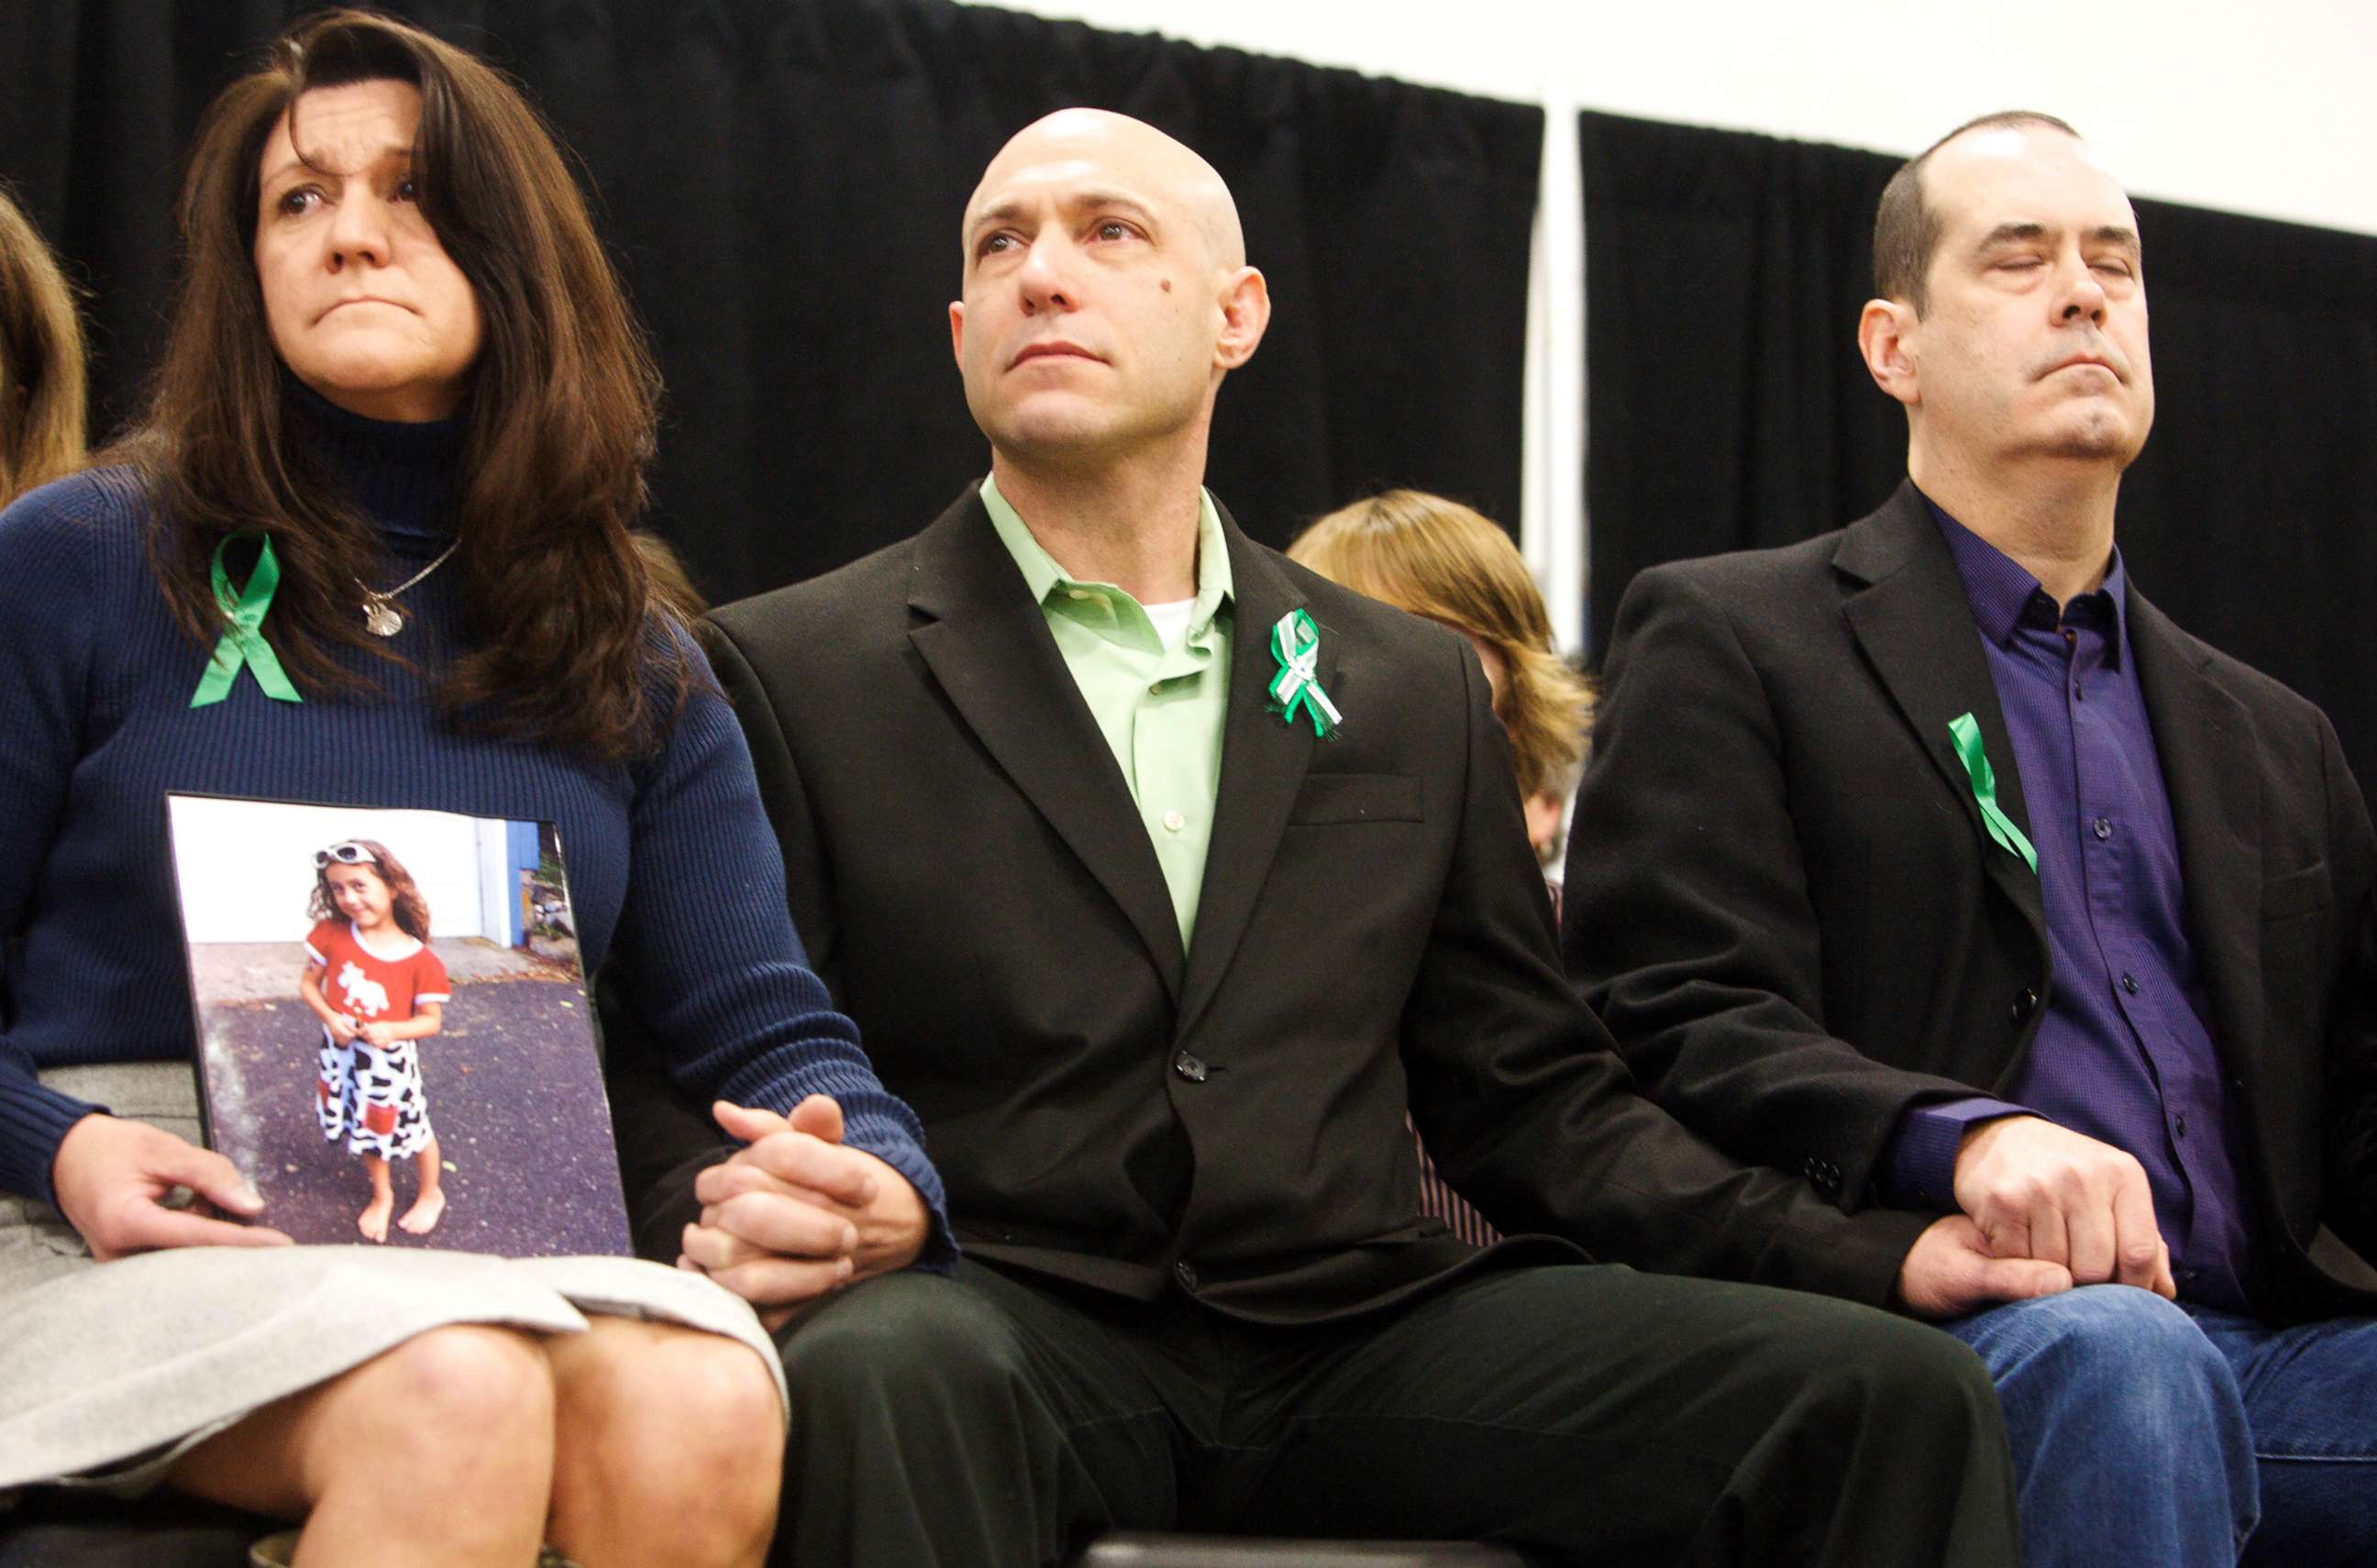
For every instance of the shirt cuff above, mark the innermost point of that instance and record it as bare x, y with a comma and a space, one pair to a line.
1921, 1164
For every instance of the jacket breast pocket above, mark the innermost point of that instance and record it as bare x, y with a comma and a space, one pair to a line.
1354, 798
2297, 893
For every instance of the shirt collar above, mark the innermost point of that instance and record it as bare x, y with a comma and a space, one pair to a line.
2003, 594
1044, 575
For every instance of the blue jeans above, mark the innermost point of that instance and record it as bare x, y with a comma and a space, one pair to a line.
2153, 1434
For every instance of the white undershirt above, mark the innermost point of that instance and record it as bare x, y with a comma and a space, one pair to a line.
1171, 621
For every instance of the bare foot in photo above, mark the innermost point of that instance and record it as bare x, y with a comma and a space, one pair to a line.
421, 1218
373, 1221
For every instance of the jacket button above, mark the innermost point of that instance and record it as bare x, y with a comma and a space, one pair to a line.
1186, 1273
2026, 1002
1192, 1068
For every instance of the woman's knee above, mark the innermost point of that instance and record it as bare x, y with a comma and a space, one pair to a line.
467, 1375
672, 1425
468, 1405
706, 1395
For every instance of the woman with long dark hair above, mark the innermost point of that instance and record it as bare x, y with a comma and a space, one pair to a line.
374, 546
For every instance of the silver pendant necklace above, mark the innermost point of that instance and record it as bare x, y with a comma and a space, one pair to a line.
381, 617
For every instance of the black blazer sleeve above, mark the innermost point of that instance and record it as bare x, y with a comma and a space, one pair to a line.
1531, 1114
2351, 1089
1689, 919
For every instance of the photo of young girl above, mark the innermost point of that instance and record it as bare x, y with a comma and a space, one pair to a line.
373, 981
428, 964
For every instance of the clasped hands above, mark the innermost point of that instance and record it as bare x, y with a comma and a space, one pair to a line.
2043, 1209
797, 1213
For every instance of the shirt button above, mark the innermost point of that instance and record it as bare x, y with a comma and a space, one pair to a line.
2078, 695
2026, 1002
1077, 593
2180, 1130
1191, 1067
1186, 1273
2129, 984
1174, 821
2102, 827
1156, 690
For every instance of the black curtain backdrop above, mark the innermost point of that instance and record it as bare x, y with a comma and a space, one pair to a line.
1728, 407
780, 181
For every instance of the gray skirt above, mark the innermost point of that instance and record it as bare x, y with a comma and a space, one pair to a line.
109, 1372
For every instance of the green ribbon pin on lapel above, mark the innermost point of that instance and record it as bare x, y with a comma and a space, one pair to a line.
1296, 643
242, 644
1966, 733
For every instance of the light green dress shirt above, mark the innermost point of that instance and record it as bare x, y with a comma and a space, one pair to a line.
1161, 708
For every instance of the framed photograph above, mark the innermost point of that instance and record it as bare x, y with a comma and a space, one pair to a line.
395, 1043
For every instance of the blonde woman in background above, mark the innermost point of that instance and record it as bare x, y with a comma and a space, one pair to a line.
1443, 560
41, 362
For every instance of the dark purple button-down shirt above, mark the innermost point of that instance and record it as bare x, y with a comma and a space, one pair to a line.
2124, 1051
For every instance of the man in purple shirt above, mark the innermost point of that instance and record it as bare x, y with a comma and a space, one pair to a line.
1928, 859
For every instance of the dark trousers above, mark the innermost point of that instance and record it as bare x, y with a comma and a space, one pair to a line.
1581, 1414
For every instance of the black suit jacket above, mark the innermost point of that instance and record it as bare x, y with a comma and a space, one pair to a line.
976, 886
1782, 899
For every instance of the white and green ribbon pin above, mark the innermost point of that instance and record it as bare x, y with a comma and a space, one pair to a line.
1296, 643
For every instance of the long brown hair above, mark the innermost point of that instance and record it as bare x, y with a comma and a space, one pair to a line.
409, 910
1448, 562
42, 387
571, 634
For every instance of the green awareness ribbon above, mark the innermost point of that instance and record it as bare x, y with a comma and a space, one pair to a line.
1966, 734
1296, 643
242, 643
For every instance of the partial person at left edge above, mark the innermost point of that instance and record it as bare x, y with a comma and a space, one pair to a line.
41, 376
373, 544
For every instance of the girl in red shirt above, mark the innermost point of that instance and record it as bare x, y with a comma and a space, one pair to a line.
377, 987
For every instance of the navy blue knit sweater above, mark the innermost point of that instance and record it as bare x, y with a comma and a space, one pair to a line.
673, 870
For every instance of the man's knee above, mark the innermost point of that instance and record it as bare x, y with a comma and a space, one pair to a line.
918, 1425
2110, 1342
1907, 1373
904, 1341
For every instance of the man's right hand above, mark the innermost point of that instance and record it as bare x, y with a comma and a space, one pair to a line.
111, 1172
2038, 1191
1949, 1271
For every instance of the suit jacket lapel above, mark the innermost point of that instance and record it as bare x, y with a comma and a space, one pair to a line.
2211, 771
1263, 763
988, 646
1916, 626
